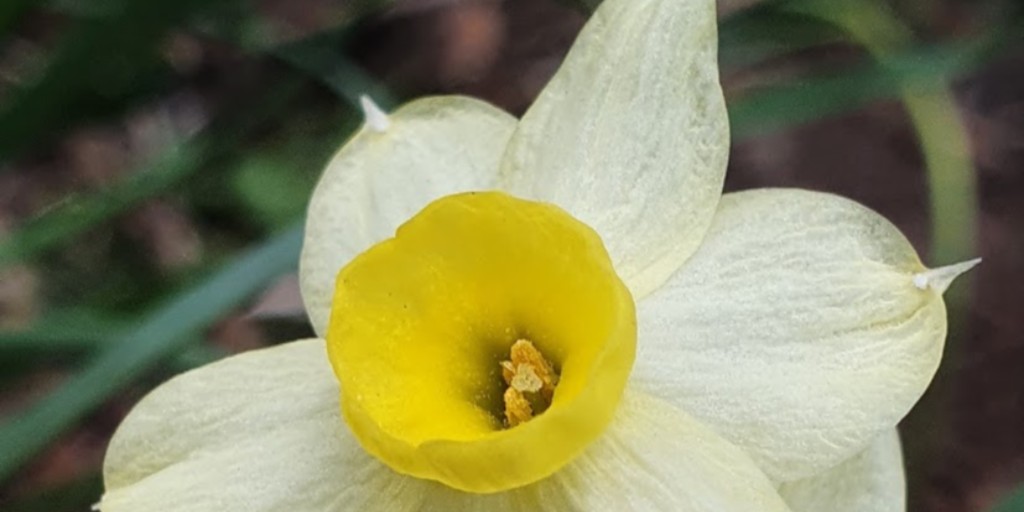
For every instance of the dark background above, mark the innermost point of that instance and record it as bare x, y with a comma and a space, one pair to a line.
156, 157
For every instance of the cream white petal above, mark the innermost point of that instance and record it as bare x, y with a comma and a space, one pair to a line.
262, 432
253, 432
258, 432
796, 331
387, 172
871, 481
631, 134
652, 458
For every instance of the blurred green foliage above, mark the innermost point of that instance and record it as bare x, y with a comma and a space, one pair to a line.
107, 59
153, 338
252, 169
1012, 503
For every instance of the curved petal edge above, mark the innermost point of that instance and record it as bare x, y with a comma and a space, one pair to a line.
631, 135
796, 331
872, 480
388, 171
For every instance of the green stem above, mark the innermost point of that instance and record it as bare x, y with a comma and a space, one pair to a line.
933, 114
952, 196
952, 191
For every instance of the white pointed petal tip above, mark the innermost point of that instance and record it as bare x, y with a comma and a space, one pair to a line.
939, 279
376, 119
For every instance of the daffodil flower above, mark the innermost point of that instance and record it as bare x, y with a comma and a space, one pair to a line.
484, 352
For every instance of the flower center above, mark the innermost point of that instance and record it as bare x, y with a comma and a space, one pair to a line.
485, 345
531, 382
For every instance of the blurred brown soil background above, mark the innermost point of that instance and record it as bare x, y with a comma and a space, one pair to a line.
966, 441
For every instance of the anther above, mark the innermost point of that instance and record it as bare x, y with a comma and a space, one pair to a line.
531, 382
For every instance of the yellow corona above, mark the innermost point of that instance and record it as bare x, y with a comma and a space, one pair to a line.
485, 345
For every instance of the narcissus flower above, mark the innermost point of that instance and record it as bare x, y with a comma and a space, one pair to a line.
562, 313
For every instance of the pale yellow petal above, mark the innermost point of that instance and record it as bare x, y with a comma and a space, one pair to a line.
258, 432
387, 172
652, 458
871, 481
261, 432
631, 135
798, 330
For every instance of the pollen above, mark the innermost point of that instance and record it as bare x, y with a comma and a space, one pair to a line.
531, 382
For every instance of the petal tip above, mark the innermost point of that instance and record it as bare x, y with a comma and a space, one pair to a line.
376, 119
939, 279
